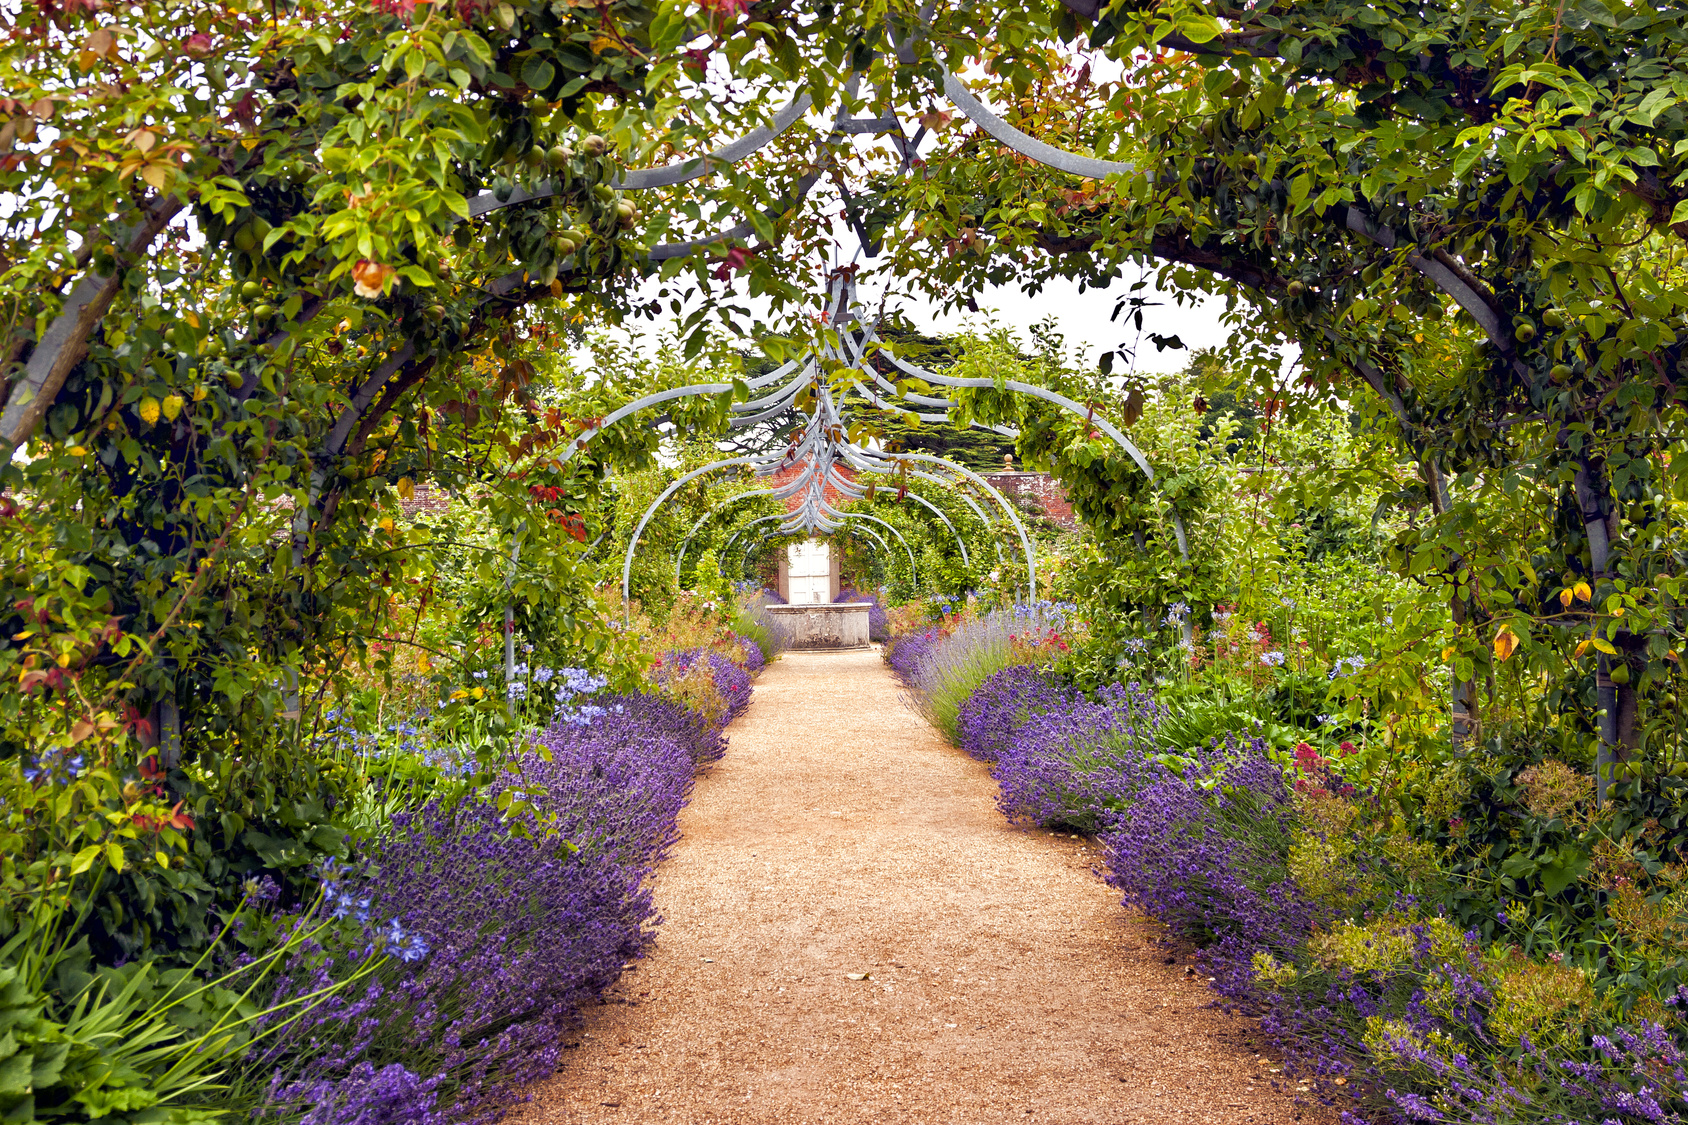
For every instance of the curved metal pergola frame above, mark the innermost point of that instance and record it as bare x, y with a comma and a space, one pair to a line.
913, 569
680, 556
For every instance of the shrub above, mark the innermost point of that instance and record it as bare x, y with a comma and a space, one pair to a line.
905, 651
1204, 847
754, 658
988, 718
525, 919
942, 670
1077, 766
769, 631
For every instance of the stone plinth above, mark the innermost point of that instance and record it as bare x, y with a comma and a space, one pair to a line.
824, 625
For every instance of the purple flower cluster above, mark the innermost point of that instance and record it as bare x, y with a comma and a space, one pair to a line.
878, 624
392, 1095
1079, 765
905, 653
754, 658
990, 716
1204, 847
529, 898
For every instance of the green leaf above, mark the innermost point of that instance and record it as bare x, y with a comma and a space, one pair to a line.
85, 859
16, 1075
1199, 27
1596, 12
1567, 867
538, 74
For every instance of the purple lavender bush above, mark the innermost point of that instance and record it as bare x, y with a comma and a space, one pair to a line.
990, 716
754, 658
1204, 847
1078, 766
517, 919
732, 682
904, 653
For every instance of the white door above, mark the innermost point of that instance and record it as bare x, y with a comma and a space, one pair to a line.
810, 572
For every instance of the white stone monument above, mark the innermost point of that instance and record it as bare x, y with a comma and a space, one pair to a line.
811, 619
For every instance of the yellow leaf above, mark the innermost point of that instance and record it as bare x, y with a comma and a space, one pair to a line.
1448, 653
385, 524
1565, 596
157, 175
78, 451
406, 487
163, 860
1582, 647
192, 318
1582, 591
1506, 643
1618, 612
80, 729
1603, 646
556, 288
114, 855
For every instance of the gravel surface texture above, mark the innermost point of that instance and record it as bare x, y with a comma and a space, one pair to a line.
853, 933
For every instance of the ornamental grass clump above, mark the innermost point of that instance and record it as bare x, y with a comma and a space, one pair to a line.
1080, 763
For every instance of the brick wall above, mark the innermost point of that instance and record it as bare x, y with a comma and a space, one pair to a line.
795, 501
1040, 492
425, 500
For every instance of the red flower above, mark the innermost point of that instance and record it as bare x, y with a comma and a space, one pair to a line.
177, 819
733, 262
731, 9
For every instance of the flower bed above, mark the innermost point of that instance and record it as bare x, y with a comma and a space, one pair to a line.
522, 921
1342, 925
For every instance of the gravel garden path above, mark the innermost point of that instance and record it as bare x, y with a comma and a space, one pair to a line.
853, 933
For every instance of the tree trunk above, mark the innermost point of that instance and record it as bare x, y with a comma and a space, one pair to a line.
1463, 722
1590, 485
